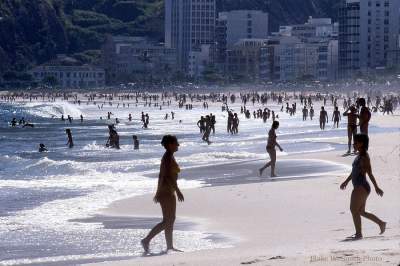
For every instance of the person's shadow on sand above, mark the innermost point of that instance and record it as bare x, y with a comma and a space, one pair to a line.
154, 254
350, 238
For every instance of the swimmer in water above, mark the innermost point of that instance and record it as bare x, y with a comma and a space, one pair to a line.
42, 147
362, 189
323, 118
165, 195
336, 117
271, 149
70, 142
135, 142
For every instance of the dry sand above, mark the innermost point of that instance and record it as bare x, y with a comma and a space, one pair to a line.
296, 222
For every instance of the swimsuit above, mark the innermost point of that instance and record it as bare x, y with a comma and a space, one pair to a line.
357, 177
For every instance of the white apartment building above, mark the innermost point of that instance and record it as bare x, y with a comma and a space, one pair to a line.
188, 25
288, 58
71, 76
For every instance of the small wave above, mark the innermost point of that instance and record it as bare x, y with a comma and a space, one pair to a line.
50, 110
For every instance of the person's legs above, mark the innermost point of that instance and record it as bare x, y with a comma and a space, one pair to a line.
168, 207
349, 137
354, 134
370, 216
273, 161
169, 212
267, 164
356, 204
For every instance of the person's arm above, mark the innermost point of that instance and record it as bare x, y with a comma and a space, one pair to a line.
161, 177
344, 184
366, 164
279, 146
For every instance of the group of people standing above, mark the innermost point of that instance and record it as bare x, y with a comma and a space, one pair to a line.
207, 125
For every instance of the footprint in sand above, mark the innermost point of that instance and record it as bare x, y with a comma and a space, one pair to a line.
393, 254
250, 262
277, 258
337, 230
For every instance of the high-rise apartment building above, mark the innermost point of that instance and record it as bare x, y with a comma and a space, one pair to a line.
237, 25
188, 25
368, 33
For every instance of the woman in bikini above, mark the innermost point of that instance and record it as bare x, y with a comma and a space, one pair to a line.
167, 188
362, 189
271, 149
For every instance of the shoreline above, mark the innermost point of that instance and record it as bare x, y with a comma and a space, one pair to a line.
250, 247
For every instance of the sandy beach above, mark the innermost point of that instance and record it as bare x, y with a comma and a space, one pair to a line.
299, 222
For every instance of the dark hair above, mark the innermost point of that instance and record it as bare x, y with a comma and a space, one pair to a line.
168, 139
362, 138
275, 124
68, 130
361, 101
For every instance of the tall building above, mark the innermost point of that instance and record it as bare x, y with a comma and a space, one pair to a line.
243, 59
288, 58
188, 25
368, 33
243, 24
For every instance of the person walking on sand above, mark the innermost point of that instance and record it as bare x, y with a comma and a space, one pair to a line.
362, 189
165, 195
271, 149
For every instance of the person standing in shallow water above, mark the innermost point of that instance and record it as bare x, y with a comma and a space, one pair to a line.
165, 195
364, 117
362, 189
70, 142
271, 149
351, 114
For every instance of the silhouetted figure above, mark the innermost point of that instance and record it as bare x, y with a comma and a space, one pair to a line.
272, 143
336, 117
364, 117
14, 122
362, 189
323, 118
42, 147
135, 142
166, 190
113, 138
70, 142
351, 114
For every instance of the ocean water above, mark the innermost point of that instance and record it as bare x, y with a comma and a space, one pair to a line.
44, 196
